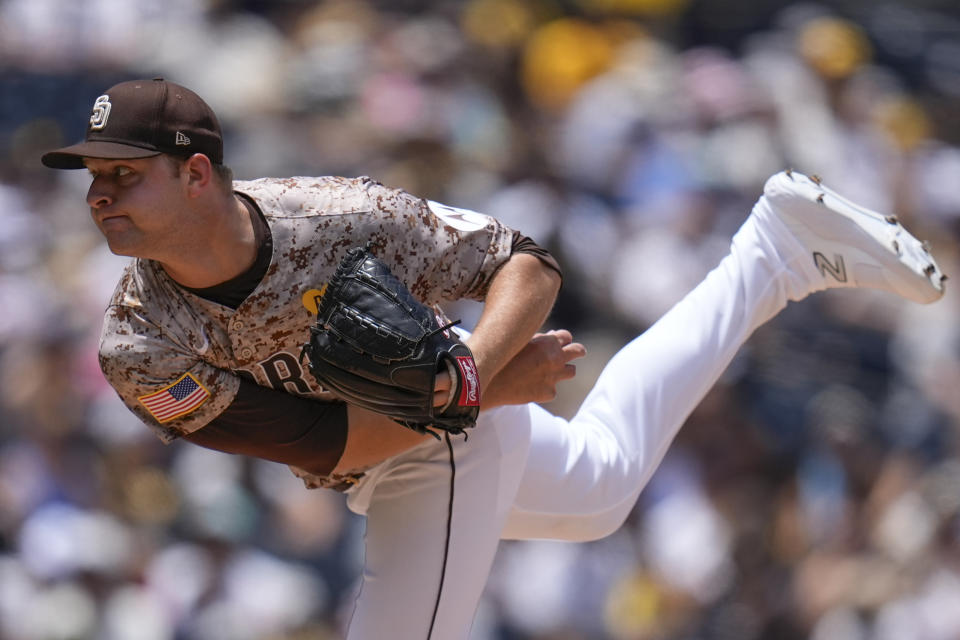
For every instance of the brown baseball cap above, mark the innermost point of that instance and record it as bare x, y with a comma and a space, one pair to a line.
143, 118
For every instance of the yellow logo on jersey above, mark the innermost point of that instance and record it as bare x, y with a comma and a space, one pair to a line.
311, 299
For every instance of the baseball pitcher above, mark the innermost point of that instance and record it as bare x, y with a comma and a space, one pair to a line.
301, 320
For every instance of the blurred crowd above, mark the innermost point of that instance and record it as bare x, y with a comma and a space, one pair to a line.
814, 494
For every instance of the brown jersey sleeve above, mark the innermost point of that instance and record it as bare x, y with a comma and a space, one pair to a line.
278, 426
523, 244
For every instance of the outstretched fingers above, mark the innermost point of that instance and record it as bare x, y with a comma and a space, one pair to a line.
562, 335
569, 350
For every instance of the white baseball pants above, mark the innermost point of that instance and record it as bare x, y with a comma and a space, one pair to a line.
524, 473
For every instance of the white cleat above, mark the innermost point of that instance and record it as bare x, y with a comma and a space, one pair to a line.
852, 246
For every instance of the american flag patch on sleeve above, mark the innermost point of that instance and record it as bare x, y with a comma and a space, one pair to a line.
179, 399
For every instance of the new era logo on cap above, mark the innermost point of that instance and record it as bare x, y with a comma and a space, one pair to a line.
182, 139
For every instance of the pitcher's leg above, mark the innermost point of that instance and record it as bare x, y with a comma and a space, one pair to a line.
583, 478
800, 238
426, 558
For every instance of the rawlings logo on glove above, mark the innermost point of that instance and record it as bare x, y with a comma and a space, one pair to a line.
470, 391
376, 346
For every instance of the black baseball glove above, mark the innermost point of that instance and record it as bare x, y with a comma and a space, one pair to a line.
374, 345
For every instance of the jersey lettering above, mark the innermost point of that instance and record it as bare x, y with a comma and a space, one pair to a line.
284, 372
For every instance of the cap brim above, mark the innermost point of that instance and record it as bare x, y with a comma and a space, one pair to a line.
72, 157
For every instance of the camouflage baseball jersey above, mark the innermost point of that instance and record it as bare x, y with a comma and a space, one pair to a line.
176, 359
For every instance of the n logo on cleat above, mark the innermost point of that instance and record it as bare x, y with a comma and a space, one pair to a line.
837, 270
